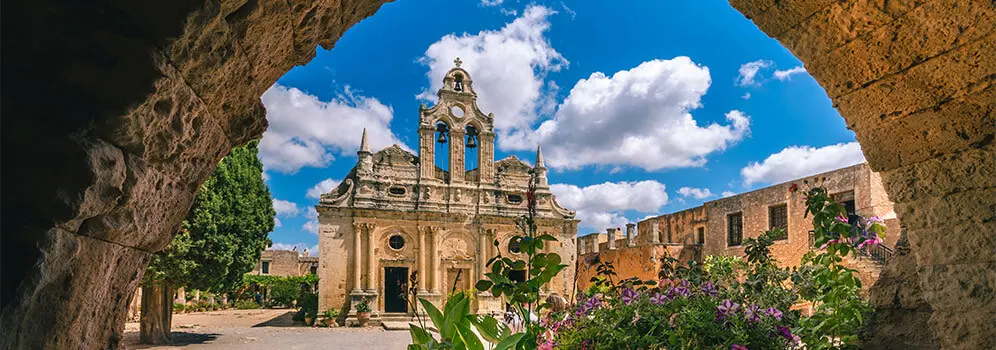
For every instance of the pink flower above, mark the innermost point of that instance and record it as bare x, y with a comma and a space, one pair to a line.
841, 218
738, 347
832, 241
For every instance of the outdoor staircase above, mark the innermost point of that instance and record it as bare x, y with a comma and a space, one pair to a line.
395, 320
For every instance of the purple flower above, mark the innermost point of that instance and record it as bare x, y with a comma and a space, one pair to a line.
785, 332
629, 296
592, 304
659, 299
875, 218
738, 347
832, 241
709, 289
874, 240
752, 313
727, 307
685, 284
773, 312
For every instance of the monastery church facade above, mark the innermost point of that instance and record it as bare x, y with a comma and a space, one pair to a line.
396, 213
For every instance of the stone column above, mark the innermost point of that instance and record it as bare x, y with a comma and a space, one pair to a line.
357, 258
371, 265
655, 232
423, 274
612, 238
457, 168
483, 256
435, 260
630, 228
593, 239
427, 150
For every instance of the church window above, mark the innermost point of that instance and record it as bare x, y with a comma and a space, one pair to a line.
397, 191
513, 246
396, 242
514, 199
458, 82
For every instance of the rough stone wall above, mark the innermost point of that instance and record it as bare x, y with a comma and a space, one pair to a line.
754, 207
282, 263
642, 261
914, 80
679, 227
126, 109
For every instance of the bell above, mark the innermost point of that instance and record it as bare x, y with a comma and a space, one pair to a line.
471, 142
442, 138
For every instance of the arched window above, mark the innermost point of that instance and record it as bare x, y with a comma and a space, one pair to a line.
442, 147
471, 143
458, 82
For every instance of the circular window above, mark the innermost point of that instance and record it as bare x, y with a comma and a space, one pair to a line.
513, 246
457, 111
514, 199
396, 242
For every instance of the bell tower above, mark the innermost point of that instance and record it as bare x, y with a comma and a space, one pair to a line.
457, 121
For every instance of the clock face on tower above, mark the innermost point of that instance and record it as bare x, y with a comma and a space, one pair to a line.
456, 111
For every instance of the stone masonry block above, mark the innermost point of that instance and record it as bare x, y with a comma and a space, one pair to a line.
925, 32
784, 15
959, 287
951, 127
961, 72
969, 330
975, 242
953, 209
971, 169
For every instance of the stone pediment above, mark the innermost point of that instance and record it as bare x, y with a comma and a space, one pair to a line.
512, 164
394, 155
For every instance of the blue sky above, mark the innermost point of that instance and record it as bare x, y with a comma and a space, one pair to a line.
641, 109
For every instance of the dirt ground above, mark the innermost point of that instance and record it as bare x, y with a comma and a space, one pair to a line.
265, 329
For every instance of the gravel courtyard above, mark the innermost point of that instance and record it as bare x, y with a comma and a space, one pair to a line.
265, 329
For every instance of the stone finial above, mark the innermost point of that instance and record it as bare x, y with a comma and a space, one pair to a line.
612, 238
630, 228
457, 62
364, 146
539, 158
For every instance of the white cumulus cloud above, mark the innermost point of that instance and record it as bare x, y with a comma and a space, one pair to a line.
306, 131
748, 72
325, 186
491, 2
508, 67
697, 193
639, 117
787, 74
312, 224
728, 194
604, 205
800, 161
285, 209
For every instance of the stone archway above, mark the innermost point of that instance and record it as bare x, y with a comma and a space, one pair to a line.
114, 113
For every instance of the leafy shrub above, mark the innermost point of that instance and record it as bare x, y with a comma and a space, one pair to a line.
178, 307
285, 292
308, 304
246, 305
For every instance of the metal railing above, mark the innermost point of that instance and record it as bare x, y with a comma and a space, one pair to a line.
878, 253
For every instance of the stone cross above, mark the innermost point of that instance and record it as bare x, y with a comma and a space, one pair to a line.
457, 62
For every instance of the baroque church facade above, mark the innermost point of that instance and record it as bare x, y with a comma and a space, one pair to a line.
396, 213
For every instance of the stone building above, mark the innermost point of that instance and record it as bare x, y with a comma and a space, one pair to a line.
719, 227
396, 213
286, 263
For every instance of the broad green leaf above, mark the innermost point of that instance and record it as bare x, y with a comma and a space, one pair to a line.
453, 314
419, 335
434, 314
469, 338
510, 341
483, 285
547, 237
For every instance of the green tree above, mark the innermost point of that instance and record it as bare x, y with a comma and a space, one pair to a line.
221, 239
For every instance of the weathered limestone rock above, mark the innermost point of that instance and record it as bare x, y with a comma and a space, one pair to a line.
122, 109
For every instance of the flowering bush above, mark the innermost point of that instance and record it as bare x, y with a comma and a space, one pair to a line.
689, 308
